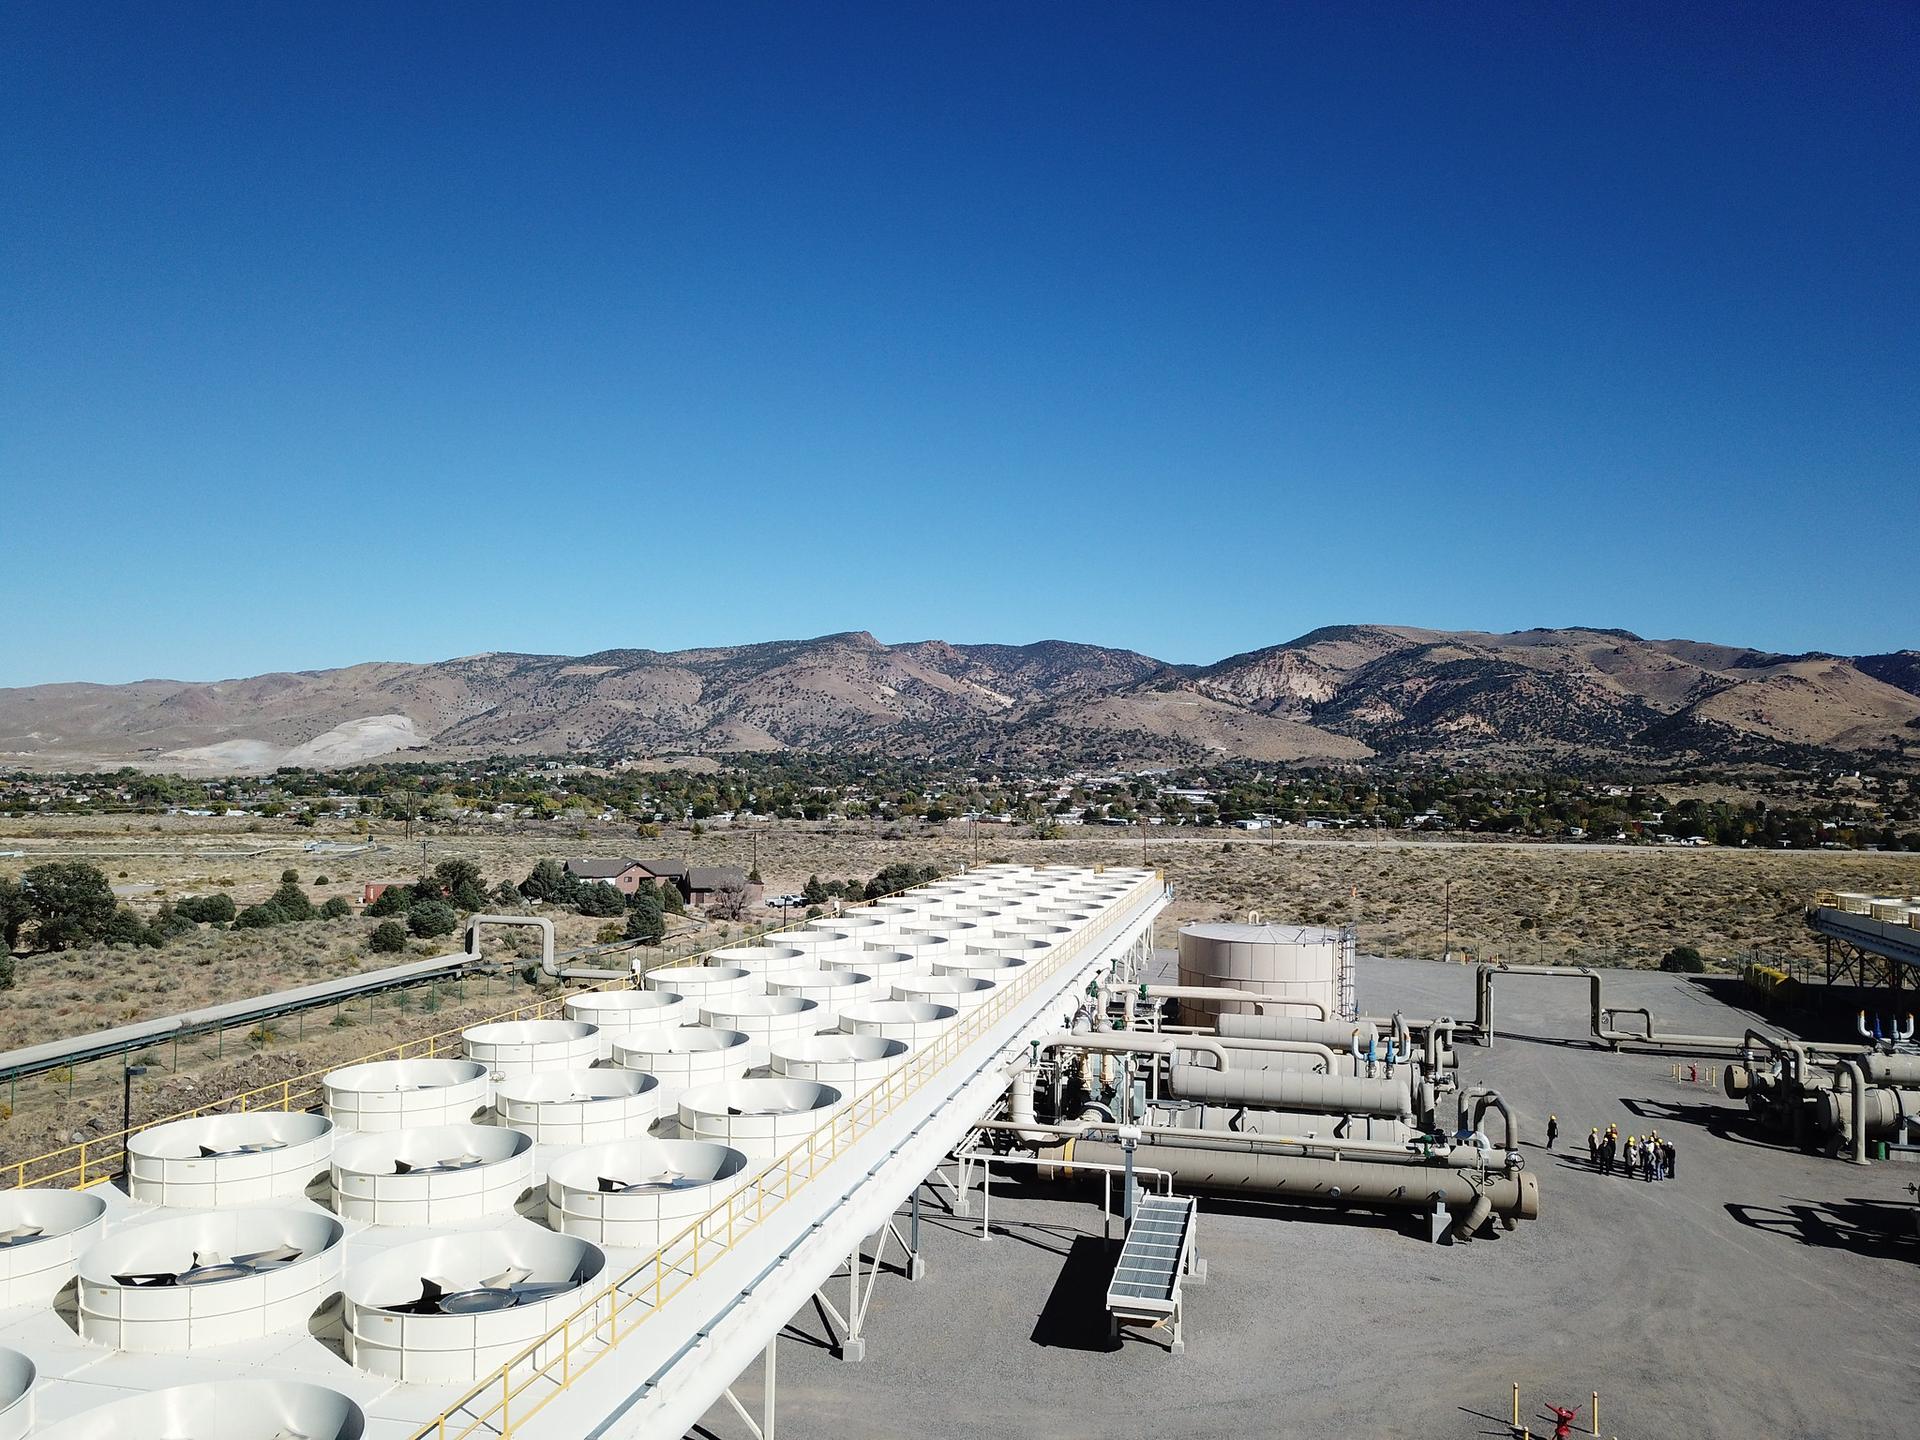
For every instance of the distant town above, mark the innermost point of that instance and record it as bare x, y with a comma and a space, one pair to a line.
1843, 810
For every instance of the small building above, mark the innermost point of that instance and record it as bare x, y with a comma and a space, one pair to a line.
704, 884
374, 889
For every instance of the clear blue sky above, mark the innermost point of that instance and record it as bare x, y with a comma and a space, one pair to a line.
343, 332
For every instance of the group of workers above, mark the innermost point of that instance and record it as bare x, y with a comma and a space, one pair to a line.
1648, 1157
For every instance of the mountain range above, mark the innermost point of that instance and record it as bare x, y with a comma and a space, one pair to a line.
1343, 693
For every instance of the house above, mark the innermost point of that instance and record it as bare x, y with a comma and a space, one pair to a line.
623, 874
704, 883
666, 872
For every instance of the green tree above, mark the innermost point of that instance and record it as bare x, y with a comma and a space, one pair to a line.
815, 893
432, 917
394, 900
336, 908
289, 877
670, 900
168, 922
508, 894
389, 938
549, 883
71, 902
460, 882
260, 917
647, 922
600, 900
292, 901
15, 911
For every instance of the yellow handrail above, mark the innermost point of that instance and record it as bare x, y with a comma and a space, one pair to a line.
96, 1161
684, 1257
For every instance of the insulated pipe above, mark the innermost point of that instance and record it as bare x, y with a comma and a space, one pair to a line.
547, 960
1323, 1053
1136, 1042
1214, 992
1598, 1017
1851, 1070
1294, 1090
1337, 1034
1892, 1069
1481, 1099
1512, 1195
1386, 1152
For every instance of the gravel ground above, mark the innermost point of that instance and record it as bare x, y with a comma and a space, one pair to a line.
1762, 1293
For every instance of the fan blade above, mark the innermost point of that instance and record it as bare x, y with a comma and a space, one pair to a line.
151, 1281
540, 1290
203, 1258
279, 1255
507, 1279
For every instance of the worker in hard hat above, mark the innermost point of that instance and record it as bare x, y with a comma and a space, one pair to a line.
1553, 1130
1593, 1146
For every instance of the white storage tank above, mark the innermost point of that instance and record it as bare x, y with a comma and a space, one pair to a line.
449, 1309
395, 1094
438, 1175
705, 984
762, 1119
525, 1047
1287, 962
680, 1059
915, 1022
639, 1194
1853, 902
614, 1012
580, 1107
855, 924
214, 1277
849, 1063
17, 1374
219, 1410
44, 1234
219, 1160
1888, 909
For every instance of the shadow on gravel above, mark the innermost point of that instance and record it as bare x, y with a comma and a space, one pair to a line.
1866, 1227
1723, 1122
1075, 1316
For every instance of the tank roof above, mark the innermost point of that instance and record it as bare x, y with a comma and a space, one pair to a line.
1263, 934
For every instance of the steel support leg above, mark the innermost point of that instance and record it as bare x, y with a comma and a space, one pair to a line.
853, 1346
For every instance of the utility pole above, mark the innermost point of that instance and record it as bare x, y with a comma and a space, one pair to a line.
1446, 944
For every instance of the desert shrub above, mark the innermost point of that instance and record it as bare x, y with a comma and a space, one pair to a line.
609, 934
289, 877
206, 909
260, 917
322, 880
336, 909
1683, 960
389, 938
